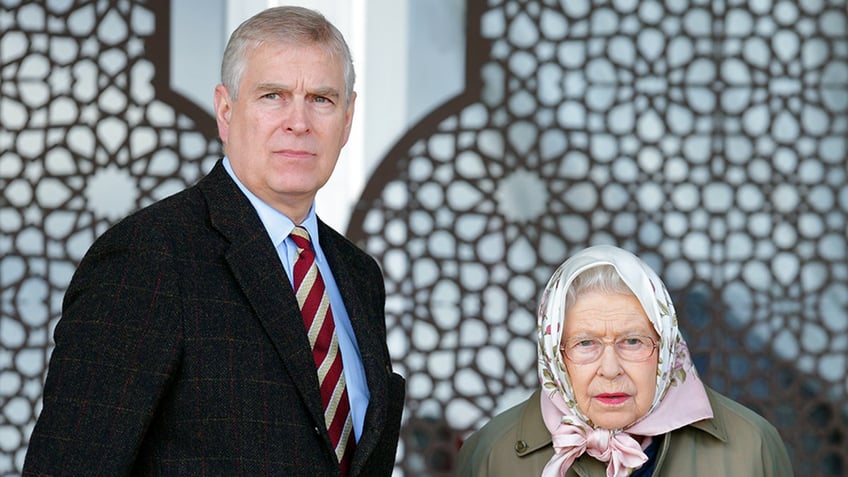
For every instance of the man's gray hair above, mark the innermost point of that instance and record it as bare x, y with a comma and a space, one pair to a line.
288, 25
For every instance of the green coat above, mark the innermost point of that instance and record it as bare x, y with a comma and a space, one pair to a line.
736, 443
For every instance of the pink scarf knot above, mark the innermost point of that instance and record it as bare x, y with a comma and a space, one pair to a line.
618, 448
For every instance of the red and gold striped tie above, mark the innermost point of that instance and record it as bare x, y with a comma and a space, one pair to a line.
318, 319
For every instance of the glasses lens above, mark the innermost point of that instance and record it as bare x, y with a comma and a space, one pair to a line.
634, 348
628, 348
584, 350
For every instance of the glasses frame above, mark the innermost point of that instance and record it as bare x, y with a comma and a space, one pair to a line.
608, 342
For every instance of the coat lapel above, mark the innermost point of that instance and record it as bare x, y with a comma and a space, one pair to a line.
256, 267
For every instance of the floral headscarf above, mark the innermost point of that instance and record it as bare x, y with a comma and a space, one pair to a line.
680, 398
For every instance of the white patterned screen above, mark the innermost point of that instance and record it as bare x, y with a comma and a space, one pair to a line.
90, 132
709, 137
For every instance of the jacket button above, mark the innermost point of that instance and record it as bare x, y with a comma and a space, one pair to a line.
520, 446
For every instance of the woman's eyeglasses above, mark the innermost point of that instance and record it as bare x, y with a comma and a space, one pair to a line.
583, 350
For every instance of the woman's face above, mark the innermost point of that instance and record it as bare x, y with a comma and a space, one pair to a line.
611, 392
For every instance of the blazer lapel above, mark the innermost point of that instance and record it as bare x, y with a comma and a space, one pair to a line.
346, 272
256, 267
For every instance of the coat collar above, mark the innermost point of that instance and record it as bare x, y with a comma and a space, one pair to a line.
716, 426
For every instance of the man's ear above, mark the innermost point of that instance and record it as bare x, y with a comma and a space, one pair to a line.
223, 109
349, 117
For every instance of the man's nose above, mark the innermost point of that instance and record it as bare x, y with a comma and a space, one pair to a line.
296, 118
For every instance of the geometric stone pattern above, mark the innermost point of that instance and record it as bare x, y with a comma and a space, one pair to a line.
90, 132
708, 137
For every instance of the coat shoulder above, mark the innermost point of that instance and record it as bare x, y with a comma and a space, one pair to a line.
503, 446
736, 442
740, 422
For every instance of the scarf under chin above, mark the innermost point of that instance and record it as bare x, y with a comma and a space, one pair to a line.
570, 440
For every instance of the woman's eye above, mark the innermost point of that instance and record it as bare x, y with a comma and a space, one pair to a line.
585, 344
632, 342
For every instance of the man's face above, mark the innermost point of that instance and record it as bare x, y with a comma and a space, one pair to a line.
284, 133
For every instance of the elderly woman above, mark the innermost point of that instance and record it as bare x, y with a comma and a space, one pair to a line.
619, 394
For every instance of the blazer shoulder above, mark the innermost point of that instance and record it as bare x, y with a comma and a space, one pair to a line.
158, 221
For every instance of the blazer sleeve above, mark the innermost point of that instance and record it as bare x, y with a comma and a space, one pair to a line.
117, 344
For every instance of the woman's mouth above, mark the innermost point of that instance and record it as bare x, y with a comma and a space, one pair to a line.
612, 399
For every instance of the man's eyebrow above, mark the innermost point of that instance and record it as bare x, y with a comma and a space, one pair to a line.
327, 91
262, 87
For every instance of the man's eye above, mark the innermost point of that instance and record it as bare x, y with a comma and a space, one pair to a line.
322, 99
271, 96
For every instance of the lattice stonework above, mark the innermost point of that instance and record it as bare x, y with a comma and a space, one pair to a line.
709, 137
90, 132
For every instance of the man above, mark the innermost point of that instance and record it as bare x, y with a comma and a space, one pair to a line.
183, 345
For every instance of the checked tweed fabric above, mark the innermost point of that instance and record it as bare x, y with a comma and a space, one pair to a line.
318, 319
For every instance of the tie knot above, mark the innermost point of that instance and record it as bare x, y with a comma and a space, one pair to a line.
300, 237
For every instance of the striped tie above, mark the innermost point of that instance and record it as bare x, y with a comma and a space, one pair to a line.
318, 319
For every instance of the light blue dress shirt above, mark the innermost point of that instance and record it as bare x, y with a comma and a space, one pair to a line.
279, 227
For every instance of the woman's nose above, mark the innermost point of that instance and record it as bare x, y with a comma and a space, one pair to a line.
609, 363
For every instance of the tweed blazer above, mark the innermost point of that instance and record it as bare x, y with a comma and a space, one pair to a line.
181, 351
